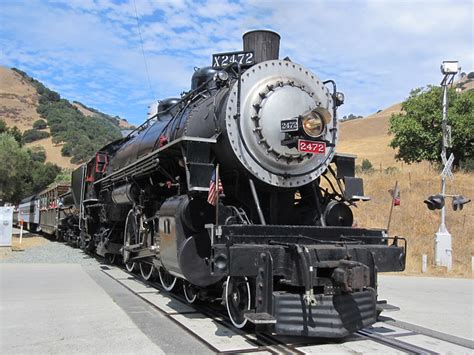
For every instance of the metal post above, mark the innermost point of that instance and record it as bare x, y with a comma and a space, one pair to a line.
443, 248
21, 230
257, 202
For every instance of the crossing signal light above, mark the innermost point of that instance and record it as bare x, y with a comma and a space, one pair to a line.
459, 202
435, 202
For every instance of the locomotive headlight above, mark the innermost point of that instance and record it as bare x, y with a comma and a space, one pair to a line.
339, 98
312, 123
223, 76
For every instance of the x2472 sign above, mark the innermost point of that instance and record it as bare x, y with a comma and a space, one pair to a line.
221, 60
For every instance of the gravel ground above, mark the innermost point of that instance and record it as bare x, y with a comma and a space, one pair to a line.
49, 252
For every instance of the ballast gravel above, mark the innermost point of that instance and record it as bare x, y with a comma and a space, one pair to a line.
51, 252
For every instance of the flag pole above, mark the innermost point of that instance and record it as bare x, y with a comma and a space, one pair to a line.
391, 205
216, 186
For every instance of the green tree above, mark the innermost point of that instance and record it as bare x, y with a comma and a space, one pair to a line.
15, 132
417, 130
44, 174
40, 124
21, 173
38, 154
15, 179
366, 166
64, 175
31, 135
66, 150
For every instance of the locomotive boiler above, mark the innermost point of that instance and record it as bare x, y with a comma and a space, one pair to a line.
235, 190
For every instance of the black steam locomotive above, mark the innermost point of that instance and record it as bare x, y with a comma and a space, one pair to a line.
236, 190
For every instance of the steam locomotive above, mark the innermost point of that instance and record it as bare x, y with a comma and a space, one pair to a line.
236, 191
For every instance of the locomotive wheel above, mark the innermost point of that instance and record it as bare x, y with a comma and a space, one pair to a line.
167, 280
130, 237
237, 300
146, 270
110, 259
190, 292
130, 266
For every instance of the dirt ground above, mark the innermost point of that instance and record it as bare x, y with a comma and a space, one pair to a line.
28, 241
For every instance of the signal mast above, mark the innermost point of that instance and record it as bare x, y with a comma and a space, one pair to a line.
443, 245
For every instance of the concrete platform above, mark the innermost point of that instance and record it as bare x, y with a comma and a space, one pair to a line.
443, 304
89, 308
60, 308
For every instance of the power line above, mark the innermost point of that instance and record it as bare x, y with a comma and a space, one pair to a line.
143, 51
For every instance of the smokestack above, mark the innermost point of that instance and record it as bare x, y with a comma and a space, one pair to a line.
265, 44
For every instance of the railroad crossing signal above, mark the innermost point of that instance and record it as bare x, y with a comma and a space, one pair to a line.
459, 202
447, 166
435, 202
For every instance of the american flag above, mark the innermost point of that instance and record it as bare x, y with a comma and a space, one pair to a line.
395, 193
213, 193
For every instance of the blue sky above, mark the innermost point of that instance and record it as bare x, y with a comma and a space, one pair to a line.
90, 51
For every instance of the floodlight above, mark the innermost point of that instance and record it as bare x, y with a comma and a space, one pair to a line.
450, 67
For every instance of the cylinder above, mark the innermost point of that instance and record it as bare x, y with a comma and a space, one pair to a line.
124, 195
265, 44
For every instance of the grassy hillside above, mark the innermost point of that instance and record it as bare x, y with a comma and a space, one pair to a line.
368, 139
91, 112
76, 131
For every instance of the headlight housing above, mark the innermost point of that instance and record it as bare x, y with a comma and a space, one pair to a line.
313, 124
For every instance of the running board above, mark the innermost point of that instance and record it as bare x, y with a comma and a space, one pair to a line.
260, 318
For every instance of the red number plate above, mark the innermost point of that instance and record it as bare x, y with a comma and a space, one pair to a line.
311, 147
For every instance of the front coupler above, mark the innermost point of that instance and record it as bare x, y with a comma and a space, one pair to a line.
309, 287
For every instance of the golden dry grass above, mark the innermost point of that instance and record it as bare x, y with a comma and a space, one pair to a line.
414, 221
18, 100
18, 103
53, 152
84, 110
368, 139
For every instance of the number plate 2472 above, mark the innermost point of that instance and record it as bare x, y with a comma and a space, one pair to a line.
290, 125
311, 147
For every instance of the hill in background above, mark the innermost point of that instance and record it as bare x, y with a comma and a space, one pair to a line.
74, 131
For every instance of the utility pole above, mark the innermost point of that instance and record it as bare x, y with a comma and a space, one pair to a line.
443, 245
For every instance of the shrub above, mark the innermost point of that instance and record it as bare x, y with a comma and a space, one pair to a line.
38, 154
468, 164
66, 150
32, 135
40, 124
366, 166
391, 170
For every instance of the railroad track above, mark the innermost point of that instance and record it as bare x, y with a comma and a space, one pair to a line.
211, 326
